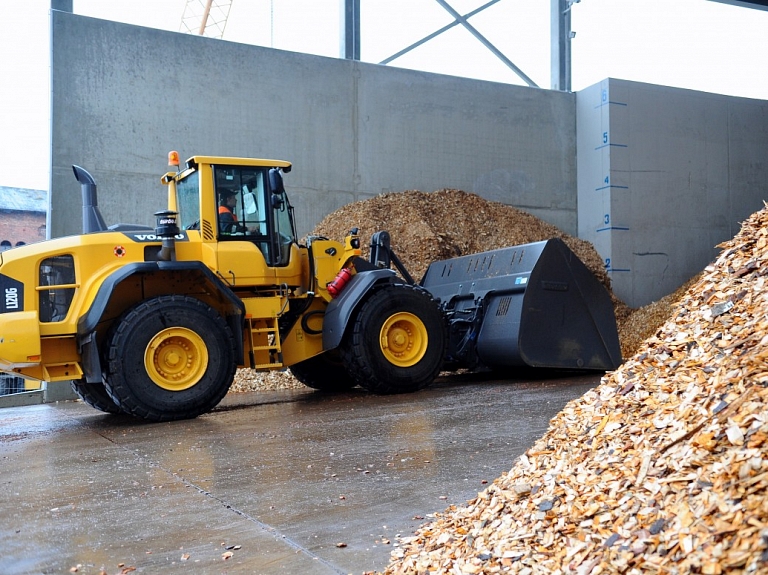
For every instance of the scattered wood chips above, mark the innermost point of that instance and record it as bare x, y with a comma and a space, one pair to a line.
250, 380
425, 227
660, 469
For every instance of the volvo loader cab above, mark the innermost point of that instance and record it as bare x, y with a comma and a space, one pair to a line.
243, 202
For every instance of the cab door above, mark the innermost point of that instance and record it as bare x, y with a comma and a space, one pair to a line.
245, 251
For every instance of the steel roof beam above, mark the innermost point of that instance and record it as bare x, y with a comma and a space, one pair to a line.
561, 35
350, 29
437, 33
753, 4
459, 19
486, 43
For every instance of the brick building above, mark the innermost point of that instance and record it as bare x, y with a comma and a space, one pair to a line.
22, 216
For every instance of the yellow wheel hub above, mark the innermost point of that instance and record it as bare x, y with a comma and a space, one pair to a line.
176, 358
403, 339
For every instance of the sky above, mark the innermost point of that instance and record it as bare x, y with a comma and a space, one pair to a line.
694, 44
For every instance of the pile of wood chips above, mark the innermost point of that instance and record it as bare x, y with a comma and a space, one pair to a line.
660, 469
428, 226
637, 325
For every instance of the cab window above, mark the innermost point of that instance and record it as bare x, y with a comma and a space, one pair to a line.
241, 205
242, 212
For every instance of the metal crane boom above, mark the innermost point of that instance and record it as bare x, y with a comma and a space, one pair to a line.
205, 17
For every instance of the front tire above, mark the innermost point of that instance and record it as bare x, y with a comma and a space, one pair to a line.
171, 357
397, 341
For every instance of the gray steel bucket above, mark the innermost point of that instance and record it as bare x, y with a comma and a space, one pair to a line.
534, 304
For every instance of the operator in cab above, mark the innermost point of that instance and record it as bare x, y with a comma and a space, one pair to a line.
227, 217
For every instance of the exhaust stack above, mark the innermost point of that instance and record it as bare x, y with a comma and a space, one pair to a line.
92, 220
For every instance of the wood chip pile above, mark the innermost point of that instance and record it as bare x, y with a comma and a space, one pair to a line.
663, 468
637, 325
425, 227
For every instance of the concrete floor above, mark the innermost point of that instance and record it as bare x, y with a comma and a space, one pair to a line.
284, 482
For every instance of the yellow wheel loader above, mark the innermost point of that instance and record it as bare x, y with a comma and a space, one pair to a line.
153, 322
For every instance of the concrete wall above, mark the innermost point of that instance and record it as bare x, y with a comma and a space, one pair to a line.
123, 96
664, 175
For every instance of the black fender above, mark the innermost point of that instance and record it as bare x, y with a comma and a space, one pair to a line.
340, 310
86, 325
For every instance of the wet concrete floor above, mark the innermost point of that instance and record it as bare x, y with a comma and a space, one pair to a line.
270, 482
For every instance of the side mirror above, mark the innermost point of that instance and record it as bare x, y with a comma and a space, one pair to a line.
278, 203
276, 181
277, 188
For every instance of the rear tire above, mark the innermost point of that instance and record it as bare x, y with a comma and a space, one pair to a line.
95, 395
397, 341
324, 372
171, 357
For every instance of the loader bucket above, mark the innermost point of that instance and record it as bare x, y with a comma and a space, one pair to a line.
529, 305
